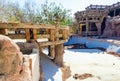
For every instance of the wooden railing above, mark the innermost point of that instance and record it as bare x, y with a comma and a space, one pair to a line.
54, 33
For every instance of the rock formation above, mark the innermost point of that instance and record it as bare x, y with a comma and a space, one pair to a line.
112, 27
13, 65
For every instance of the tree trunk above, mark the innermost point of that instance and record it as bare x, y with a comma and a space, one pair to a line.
59, 55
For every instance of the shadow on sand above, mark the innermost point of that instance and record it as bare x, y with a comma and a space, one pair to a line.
51, 72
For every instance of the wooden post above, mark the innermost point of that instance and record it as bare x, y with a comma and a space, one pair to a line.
56, 30
4, 31
35, 34
64, 32
27, 34
52, 47
47, 31
1, 31
59, 51
58, 48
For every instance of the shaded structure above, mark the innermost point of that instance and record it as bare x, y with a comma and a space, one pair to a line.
114, 9
92, 21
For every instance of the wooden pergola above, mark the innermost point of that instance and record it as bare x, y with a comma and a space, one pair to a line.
55, 34
95, 14
92, 14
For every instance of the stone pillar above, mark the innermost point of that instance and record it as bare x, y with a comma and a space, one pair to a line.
114, 12
59, 50
98, 24
87, 26
80, 29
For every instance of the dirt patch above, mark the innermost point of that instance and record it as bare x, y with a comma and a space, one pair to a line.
82, 76
27, 48
66, 72
114, 54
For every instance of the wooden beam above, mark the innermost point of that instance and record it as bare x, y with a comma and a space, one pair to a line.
42, 44
22, 25
43, 36
23, 36
17, 36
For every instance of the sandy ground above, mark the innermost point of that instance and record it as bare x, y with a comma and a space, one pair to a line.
101, 66
94, 64
88, 64
51, 72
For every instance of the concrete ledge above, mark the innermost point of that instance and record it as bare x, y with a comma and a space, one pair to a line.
35, 65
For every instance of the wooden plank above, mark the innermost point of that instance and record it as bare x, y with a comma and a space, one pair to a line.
17, 36
46, 36
22, 25
42, 44
38, 26
43, 36
9, 25
60, 35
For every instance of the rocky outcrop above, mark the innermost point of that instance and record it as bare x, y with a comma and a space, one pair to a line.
112, 27
13, 65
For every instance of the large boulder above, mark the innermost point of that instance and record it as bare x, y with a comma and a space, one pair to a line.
13, 65
10, 56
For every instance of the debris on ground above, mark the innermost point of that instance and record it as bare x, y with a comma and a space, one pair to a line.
66, 72
82, 76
